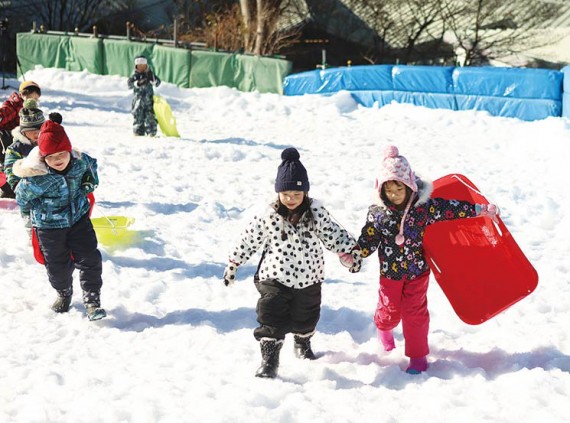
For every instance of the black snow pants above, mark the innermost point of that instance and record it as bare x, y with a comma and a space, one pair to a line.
282, 310
69, 248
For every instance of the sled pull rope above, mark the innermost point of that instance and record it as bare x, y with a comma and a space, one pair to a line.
481, 194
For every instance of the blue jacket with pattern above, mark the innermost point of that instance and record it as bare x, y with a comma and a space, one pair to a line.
407, 262
53, 200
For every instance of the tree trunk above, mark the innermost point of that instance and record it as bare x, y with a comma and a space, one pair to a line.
261, 31
247, 12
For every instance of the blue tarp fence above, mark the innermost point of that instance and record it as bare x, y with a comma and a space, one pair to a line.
566, 93
527, 94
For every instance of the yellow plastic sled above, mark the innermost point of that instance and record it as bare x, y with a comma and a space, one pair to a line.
164, 117
113, 231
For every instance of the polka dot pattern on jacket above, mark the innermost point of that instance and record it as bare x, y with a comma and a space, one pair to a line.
293, 253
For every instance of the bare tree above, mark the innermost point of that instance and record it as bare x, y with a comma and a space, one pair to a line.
490, 29
221, 28
260, 26
248, 13
378, 14
193, 14
424, 16
67, 15
252, 26
401, 25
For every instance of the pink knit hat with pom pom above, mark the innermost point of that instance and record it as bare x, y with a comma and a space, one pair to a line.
396, 168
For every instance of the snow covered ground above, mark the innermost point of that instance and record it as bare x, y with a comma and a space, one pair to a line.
178, 345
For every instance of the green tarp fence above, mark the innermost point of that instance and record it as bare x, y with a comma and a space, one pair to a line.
180, 66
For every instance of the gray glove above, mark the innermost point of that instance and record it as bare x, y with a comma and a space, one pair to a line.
27, 221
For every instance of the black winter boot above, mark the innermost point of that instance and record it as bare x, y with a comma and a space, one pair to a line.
270, 349
92, 301
63, 300
303, 347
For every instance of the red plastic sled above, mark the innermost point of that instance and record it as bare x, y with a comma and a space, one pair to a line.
476, 262
38, 255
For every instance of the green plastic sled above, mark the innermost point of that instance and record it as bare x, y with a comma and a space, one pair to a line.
113, 231
164, 117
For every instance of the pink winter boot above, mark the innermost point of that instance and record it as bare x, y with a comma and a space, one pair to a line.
417, 365
386, 338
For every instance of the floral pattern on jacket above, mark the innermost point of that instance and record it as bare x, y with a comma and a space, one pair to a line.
293, 255
53, 200
407, 262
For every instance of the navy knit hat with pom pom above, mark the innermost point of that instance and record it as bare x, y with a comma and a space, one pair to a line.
291, 174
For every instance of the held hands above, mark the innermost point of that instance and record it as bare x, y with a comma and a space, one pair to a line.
352, 260
489, 210
230, 273
346, 259
357, 261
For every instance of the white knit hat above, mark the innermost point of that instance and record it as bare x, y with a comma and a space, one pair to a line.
140, 60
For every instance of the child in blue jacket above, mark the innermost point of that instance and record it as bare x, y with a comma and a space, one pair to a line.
53, 195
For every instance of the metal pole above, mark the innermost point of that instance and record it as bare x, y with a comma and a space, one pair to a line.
324, 58
3, 32
175, 32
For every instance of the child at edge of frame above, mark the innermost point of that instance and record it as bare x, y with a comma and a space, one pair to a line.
9, 120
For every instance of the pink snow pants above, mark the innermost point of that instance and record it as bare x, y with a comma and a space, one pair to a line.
405, 300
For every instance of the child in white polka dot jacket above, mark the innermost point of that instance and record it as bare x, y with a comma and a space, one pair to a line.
291, 269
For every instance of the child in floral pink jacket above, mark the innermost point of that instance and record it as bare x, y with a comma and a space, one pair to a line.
395, 227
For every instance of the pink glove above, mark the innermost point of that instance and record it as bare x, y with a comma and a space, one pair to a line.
2, 179
346, 259
352, 260
489, 210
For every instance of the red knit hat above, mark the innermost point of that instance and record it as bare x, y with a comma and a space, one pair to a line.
53, 139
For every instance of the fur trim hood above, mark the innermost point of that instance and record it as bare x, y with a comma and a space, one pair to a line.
34, 165
18, 136
425, 189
